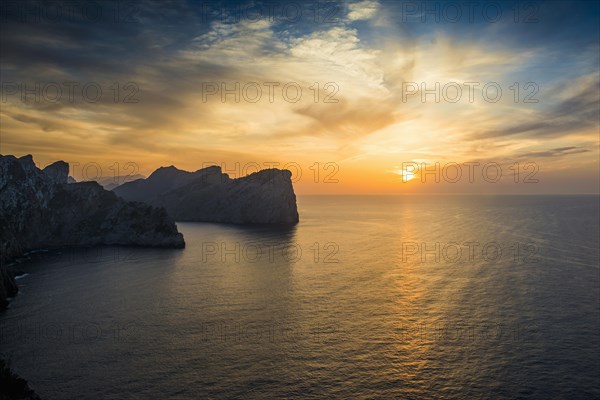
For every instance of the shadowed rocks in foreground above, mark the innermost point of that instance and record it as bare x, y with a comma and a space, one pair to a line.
39, 209
12, 386
208, 195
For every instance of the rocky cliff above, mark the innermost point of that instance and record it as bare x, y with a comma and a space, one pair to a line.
208, 195
40, 209
13, 386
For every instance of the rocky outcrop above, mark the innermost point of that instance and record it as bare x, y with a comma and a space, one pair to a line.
208, 195
8, 286
57, 171
13, 386
40, 209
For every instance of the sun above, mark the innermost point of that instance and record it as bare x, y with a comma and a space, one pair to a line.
406, 175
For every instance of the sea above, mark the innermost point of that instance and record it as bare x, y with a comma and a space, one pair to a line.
368, 297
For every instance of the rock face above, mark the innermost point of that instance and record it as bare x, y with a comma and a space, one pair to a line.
208, 195
39, 208
12, 386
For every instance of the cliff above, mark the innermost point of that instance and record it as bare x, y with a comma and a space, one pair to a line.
40, 209
208, 195
12, 386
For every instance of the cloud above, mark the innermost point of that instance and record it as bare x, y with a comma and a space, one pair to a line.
361, 10
578, 111
558, 152
170, 49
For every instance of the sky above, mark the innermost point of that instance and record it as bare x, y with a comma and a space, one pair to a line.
353, 97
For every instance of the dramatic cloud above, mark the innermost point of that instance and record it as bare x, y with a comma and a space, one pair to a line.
381, 82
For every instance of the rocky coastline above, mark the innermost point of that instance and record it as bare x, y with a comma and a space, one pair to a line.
41, 209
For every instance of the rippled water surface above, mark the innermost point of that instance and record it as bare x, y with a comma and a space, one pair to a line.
408, 297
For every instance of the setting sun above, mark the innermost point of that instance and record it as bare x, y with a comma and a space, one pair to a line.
406, 175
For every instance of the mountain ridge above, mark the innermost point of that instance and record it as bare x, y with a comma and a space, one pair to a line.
209, 195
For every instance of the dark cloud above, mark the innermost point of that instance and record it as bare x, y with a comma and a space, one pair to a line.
572, 114
558, 152
568, 25
111, 41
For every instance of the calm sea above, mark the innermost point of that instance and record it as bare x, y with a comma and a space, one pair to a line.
413, 297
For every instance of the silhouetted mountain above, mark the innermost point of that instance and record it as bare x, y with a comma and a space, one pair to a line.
208, 195
111, 182
40, 209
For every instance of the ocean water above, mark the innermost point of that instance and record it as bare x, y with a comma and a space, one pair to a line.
411, 297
